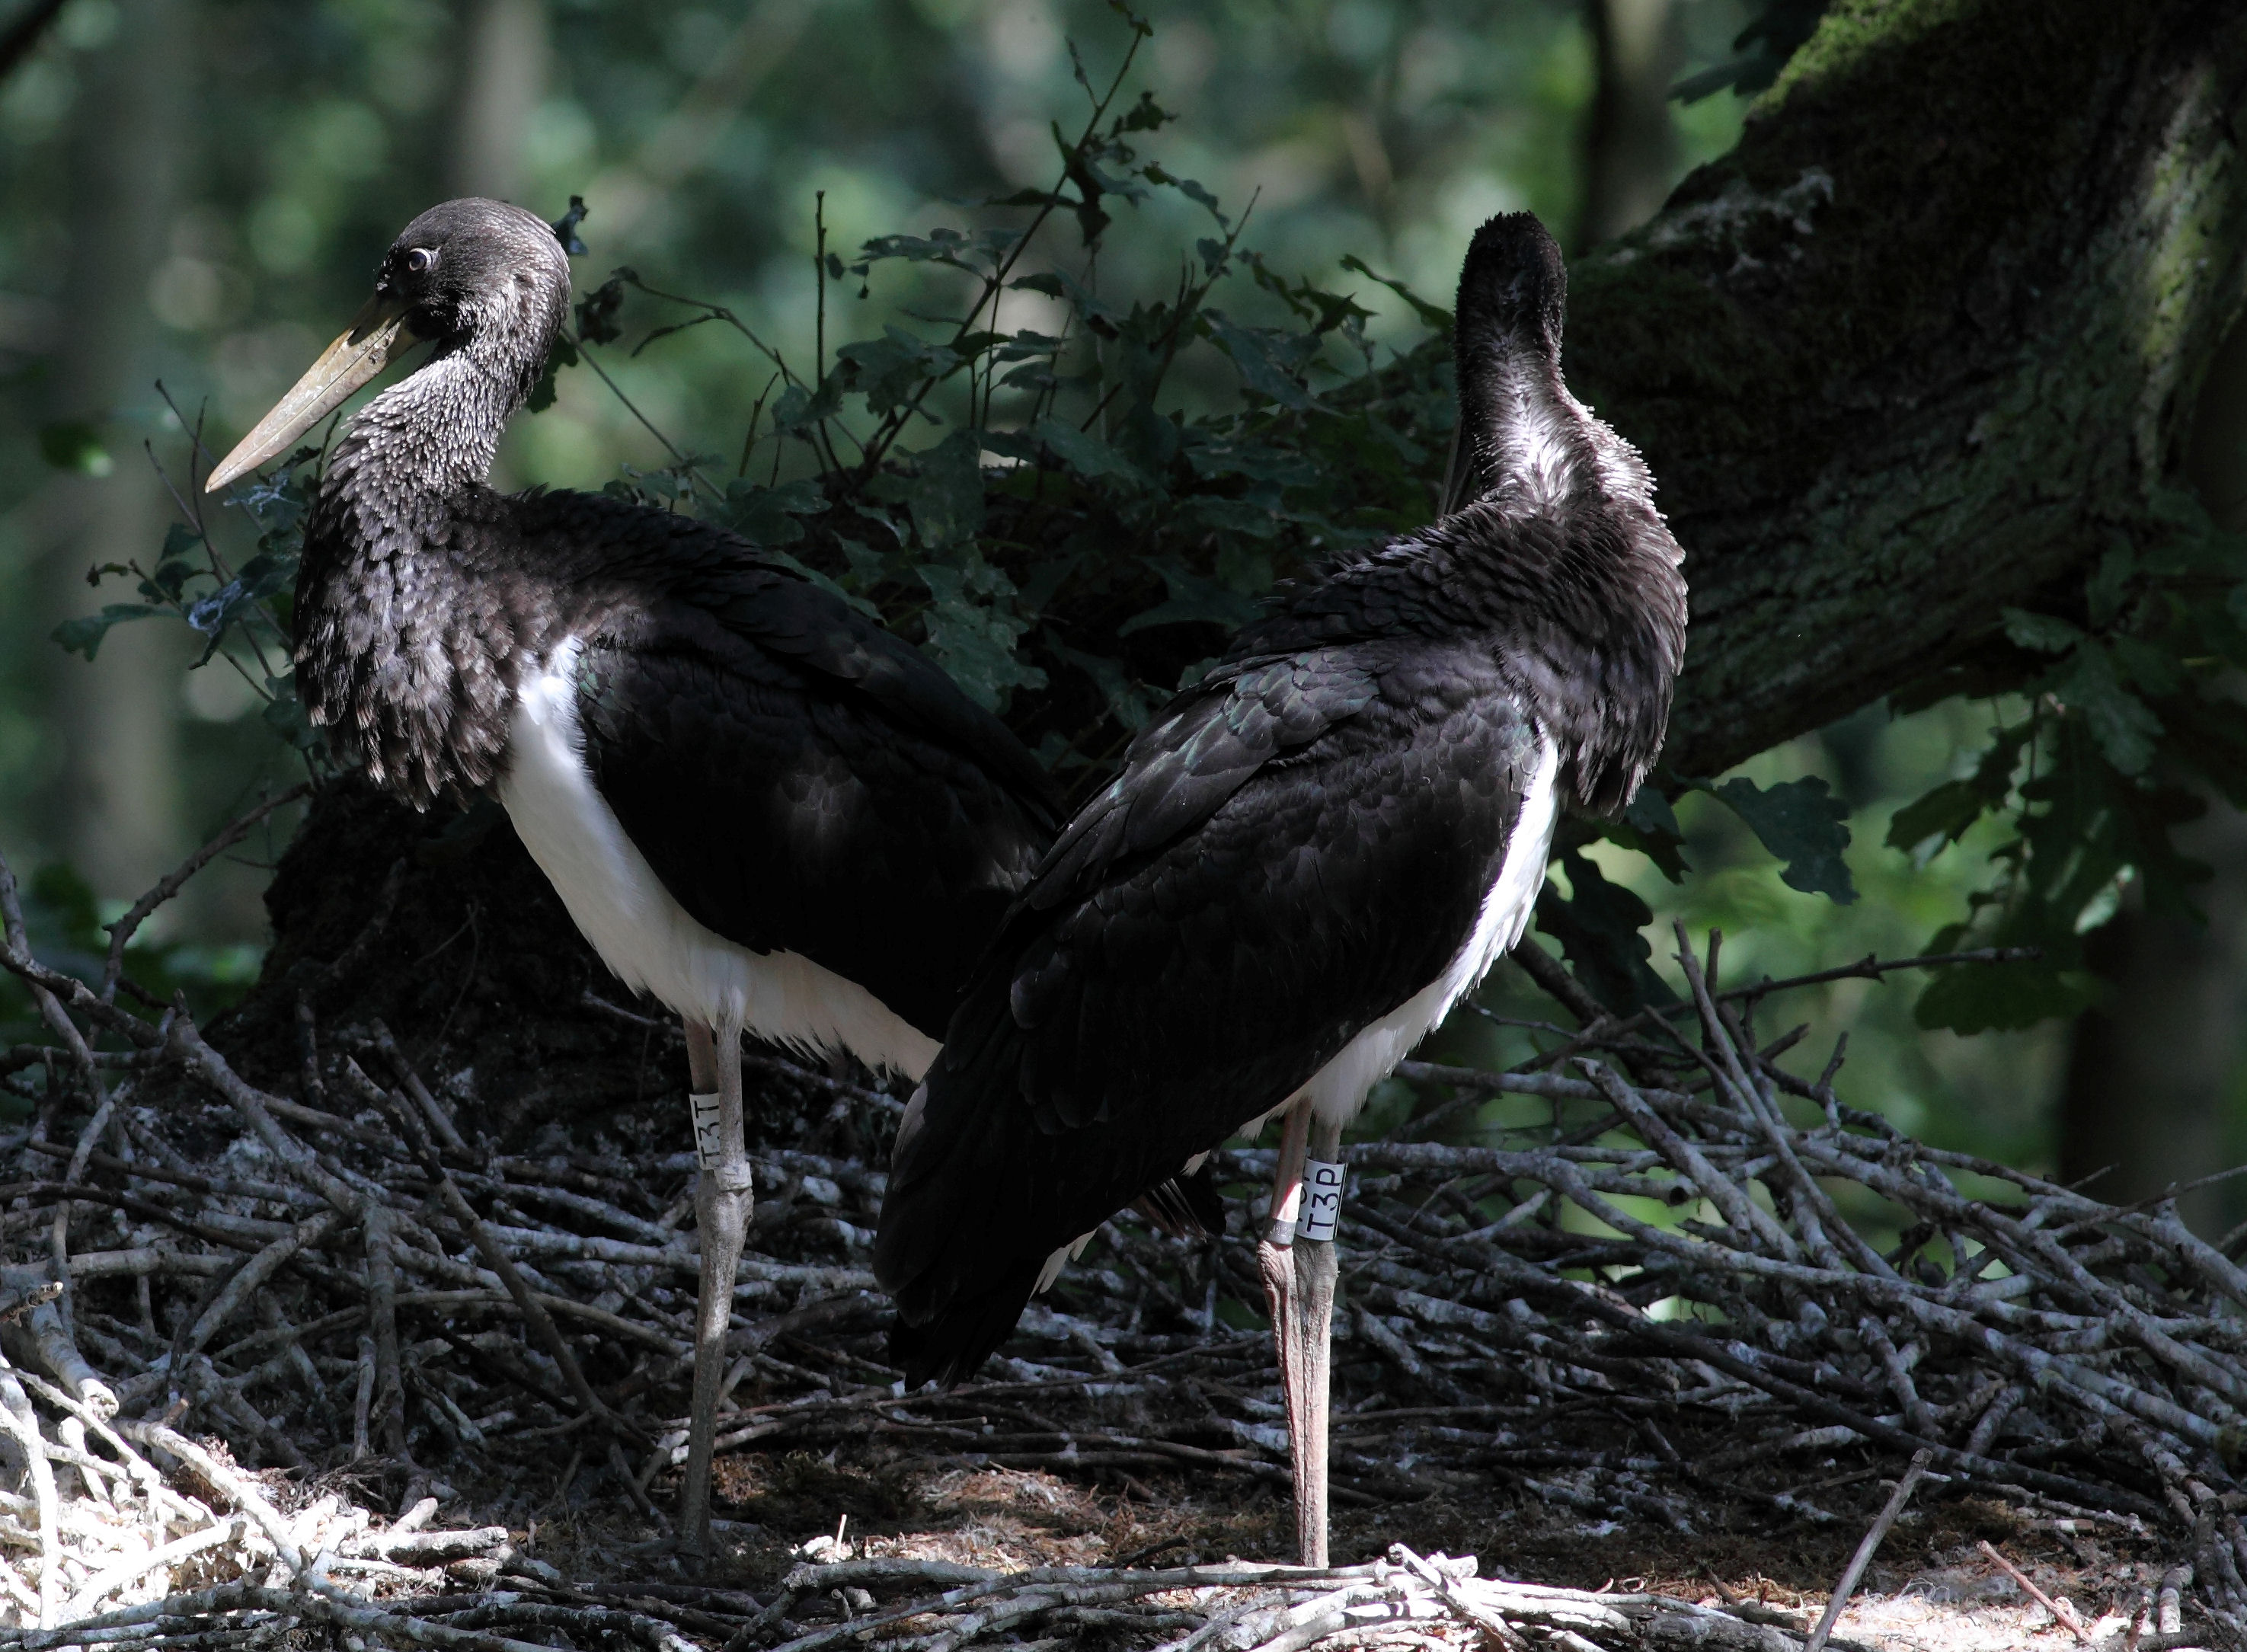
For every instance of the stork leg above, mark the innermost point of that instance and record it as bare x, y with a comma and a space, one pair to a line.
722, 1200
1299, 1282
1316, 1269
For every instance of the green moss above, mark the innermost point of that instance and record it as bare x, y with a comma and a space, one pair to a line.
1852, 28
1949, 129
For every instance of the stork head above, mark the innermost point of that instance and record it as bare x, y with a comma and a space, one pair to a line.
483, 280
1513, 288
1506, 342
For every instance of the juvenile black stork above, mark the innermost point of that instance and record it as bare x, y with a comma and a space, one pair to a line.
760, 809
1307, 858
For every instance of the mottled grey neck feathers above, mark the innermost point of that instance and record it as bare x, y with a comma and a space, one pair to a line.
1551, 520
434, 433
408, 649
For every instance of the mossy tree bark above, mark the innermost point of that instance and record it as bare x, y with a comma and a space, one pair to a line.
1925, 341
1917, 350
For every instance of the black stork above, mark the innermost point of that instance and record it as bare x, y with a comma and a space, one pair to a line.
769, 814
1307, 858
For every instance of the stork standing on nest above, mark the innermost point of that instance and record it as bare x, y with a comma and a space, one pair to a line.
769, 813
1309, 858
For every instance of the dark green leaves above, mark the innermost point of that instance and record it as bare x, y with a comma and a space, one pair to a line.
565, 228
1982, 998
1800, 823
564, 354
1599, 930
1188, 187
1433, 315
769, 516
1193, 600
2039, 633
597, 311
1649, 826
284, 714
1761, 50
1939, 817
84, 635
946, 497
262, 578
799, 408
1926, 826
2122, 723
1269, 359
1086, 455
974, 627
75, 444
893, 369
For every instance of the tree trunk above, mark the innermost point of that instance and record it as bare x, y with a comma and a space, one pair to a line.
1630, 142
1929, 334
116, 810
503, 74
2151, 1068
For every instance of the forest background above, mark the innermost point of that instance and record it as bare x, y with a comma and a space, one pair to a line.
193, 193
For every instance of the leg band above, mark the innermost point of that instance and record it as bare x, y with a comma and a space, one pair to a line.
708, 1138
1322, 1185
1282, 1231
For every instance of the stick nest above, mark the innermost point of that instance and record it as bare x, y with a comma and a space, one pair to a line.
237, 1323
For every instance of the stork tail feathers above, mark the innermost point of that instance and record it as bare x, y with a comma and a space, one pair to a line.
953, 1344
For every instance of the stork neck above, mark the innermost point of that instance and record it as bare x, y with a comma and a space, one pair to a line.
1519, 426
434, 435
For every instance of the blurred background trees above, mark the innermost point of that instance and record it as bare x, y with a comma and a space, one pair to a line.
195, 191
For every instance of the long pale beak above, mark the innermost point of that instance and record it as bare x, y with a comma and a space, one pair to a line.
378, 336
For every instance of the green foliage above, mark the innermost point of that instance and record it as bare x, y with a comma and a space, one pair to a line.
74, 444
1803, 825
2127, 719
1600, 928
65, 926
1046, 510
1040, 509
1760, 51
240, 616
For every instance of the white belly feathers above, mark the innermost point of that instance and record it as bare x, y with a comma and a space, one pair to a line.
644, 935
1338, 1089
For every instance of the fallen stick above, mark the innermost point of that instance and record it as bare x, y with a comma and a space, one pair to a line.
2063, 1616
1873, 1537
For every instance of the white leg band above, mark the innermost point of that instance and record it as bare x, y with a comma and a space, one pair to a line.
1322, 1186
708, 1138
1282, 1231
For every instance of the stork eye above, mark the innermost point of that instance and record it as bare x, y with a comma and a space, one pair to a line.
420, 260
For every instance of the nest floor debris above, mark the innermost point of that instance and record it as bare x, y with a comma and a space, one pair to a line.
282, 1359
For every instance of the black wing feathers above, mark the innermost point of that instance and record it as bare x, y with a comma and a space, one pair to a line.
1151, 993
799, 778
1206, 744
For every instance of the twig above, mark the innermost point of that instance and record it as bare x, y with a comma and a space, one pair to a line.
2064, 1616
1875, 1536
534, 1311
122, 931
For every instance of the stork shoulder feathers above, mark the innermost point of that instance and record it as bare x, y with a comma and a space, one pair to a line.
1197, 752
